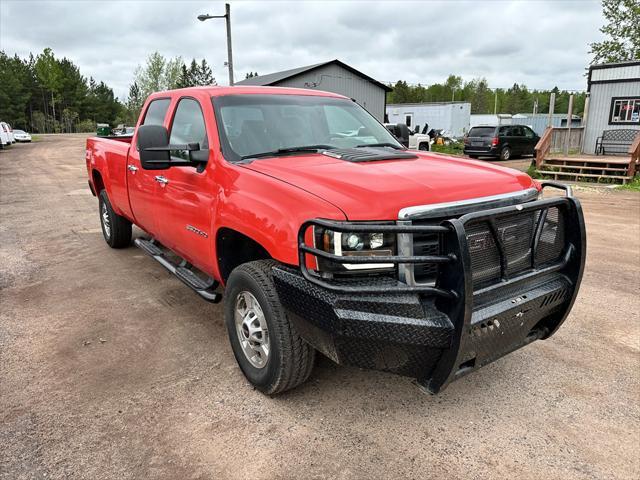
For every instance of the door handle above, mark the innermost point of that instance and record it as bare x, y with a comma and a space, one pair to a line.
161, 180
132, 168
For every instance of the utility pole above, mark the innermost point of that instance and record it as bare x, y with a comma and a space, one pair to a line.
227, 17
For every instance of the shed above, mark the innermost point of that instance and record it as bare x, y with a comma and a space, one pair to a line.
452, 117
332, 76
614, 100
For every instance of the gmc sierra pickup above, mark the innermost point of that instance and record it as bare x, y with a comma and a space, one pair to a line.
329, 236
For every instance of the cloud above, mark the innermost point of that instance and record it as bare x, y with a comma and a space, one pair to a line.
538, 43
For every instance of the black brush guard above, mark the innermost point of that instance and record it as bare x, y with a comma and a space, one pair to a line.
441, 331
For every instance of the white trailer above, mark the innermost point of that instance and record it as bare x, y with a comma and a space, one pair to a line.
452, 117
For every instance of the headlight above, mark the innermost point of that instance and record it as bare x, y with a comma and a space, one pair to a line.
351, 244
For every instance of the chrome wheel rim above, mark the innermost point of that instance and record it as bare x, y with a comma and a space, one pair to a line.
506, 154
106, 223
251, 328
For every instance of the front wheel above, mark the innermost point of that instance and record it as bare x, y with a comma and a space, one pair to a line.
269, 351
505, 153
115, 229
424, 147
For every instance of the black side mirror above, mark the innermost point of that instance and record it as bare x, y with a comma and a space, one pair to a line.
150, 139
155, 150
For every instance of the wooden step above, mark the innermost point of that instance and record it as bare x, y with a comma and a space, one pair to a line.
587, 175
583, 167
613, 160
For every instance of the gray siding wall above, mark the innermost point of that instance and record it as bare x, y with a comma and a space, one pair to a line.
600, 107
333, 78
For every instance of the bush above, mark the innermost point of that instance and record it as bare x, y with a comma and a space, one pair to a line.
454, 148
86, 126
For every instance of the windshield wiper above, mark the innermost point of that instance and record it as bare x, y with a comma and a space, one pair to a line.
281, 151
387, 144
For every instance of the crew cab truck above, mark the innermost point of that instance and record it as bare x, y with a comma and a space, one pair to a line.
327, 235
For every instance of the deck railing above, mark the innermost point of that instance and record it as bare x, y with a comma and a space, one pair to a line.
634, 151
543, 146
558, 140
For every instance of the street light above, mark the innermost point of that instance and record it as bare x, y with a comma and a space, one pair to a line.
227, 17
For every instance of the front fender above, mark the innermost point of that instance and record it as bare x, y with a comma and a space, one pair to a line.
269, 211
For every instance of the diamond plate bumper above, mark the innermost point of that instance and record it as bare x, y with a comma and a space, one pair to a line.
439, 338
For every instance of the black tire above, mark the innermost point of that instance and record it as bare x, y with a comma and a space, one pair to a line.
290, 358
505, 153
117, 233
424, 147
475, 157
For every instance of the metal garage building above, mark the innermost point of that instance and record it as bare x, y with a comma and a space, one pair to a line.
452, 117
333, 76
614, 100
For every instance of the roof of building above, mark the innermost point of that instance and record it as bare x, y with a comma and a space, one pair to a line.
627, 63
273, 78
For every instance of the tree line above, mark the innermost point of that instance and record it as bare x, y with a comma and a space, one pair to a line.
515, 99
159, 73
46, 94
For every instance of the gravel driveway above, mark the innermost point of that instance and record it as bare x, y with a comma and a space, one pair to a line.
111, 368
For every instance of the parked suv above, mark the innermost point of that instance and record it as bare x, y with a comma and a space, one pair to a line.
503, 142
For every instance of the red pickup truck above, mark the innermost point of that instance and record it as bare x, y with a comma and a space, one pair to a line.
329, 236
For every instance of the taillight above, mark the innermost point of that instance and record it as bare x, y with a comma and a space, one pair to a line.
494, 141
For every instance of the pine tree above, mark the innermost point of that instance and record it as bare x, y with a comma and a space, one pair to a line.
205, 75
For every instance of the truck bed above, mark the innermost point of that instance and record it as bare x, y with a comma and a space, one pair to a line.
111, 153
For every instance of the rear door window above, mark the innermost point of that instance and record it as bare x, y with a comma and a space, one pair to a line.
156, 112
482, 132
517, 131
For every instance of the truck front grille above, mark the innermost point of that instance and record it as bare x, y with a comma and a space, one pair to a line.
499, 248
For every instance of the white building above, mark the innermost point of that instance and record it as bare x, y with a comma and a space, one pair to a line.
614, 100
452, 117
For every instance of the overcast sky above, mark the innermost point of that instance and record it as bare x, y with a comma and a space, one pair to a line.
539, 43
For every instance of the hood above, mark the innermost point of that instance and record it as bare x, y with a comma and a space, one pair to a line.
378, 190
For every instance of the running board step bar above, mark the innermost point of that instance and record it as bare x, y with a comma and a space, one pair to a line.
204, 288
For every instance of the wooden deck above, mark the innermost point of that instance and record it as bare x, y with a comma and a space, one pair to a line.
608, 168
605, 168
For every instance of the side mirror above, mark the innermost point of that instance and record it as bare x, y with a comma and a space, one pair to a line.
155, 150
152, 138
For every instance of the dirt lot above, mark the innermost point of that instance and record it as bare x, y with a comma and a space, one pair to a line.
110, 368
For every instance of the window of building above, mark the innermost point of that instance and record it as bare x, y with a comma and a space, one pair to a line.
625, 111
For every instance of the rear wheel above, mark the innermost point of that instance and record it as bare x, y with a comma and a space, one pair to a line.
505, 153
269, 351
115, 229
424, 147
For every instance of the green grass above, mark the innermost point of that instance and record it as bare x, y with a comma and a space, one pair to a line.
633, 185
35, 138
453, 148
532, 172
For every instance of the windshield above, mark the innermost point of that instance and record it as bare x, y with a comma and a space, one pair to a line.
257, 124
